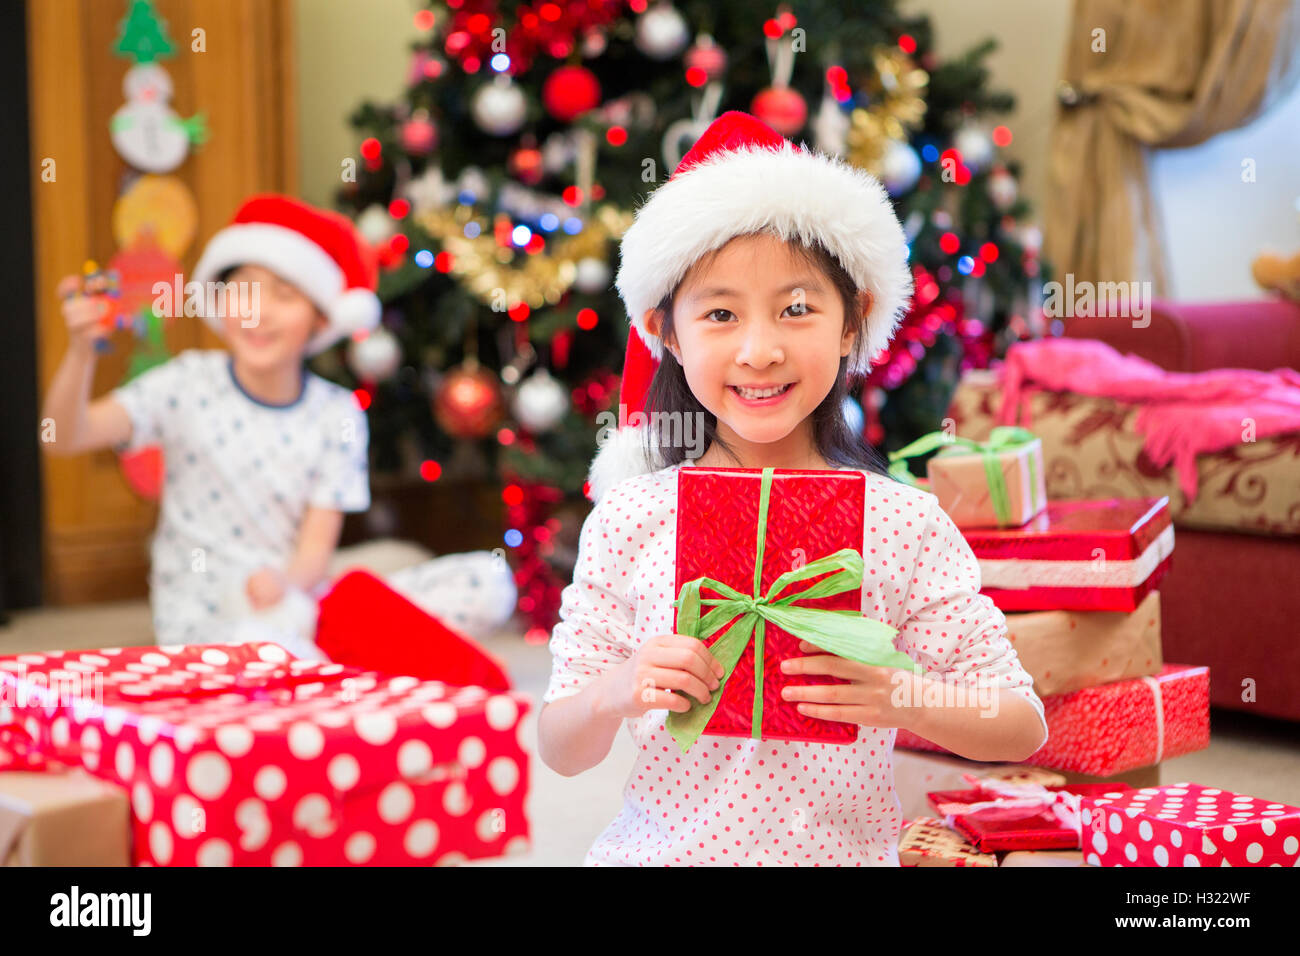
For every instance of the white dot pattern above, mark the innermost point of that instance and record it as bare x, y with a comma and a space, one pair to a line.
1159, 826
738, 801
253, 758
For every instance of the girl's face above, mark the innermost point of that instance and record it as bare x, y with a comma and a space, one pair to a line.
276, 332
759, 334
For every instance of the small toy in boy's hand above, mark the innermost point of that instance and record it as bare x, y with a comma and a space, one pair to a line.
96, 284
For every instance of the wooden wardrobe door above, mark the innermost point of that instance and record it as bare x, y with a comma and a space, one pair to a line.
96, 529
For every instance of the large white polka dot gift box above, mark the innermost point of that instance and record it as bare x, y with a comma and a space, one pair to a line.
237, 754
1186, 824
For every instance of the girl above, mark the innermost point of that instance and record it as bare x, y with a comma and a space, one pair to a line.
768, 274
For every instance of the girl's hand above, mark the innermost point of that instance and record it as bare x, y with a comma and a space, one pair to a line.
868, 699
665, 664
265, 587
84, 314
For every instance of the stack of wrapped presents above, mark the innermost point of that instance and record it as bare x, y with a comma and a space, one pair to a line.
240, 754
1078, 583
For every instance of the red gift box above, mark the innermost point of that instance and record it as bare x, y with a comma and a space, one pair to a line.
236, 754
1186, 824
1077, 556
1104, 730
1007, 826
811, 514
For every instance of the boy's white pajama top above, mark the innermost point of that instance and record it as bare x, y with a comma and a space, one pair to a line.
240, 475
739, 801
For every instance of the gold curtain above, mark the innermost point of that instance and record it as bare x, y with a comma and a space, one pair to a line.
1142, 74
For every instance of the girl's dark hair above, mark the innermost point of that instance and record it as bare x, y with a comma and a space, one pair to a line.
834, 440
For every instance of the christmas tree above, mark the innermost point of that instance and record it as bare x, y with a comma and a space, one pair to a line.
497, 189
142, 34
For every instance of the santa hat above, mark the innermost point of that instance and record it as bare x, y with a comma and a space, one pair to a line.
317, 250
743, 177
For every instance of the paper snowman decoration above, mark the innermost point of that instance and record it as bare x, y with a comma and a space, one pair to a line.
146, 131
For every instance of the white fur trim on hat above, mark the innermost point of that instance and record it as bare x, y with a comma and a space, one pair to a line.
785, 191
294, 257
621, 455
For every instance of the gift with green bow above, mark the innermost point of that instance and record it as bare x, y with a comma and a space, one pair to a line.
767, 558
997, 483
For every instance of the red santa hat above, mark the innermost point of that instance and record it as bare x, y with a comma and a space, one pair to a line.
318, 250
743, 177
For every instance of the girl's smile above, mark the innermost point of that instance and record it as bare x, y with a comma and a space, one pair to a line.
762, 396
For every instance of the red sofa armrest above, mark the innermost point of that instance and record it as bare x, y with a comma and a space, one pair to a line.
1184, 337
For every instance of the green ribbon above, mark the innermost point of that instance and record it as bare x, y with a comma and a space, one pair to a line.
1004, 438
845, 633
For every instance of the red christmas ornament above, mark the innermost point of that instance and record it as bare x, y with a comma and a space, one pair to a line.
419, 135
525, 164
781, 108
569, 92
468, 403
707, 57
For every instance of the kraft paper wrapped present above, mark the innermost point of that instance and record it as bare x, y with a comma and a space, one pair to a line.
1186, 824
925, 841
1070, 650
1077, 556
766, 557
1043, 858
1107, 730
62, 818
997, 483
235, 754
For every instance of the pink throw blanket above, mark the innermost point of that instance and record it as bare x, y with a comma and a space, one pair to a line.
1183, 414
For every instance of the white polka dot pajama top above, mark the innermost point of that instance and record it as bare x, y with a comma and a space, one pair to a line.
733, 801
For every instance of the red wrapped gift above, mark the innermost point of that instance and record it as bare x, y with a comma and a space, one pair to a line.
995, 815
1104, 730
1186, 824
1077, 556
803, 532
236, 754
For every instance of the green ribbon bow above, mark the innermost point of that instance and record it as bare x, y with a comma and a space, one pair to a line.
1001, 439
845, 633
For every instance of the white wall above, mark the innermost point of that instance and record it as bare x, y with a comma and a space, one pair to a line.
1214, 223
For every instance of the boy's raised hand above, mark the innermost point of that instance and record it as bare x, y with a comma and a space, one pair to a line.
663, 664
84, 314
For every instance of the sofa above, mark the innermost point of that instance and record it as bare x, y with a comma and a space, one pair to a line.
1231, 599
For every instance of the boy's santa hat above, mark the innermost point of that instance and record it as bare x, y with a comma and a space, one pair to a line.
743, 177
318, 250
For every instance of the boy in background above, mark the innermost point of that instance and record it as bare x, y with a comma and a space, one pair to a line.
262, 456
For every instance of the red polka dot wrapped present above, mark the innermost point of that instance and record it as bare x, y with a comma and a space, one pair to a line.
1186, 824
1123, 725
237, 754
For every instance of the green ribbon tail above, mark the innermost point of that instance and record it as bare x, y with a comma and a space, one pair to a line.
848, 635
687, 727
